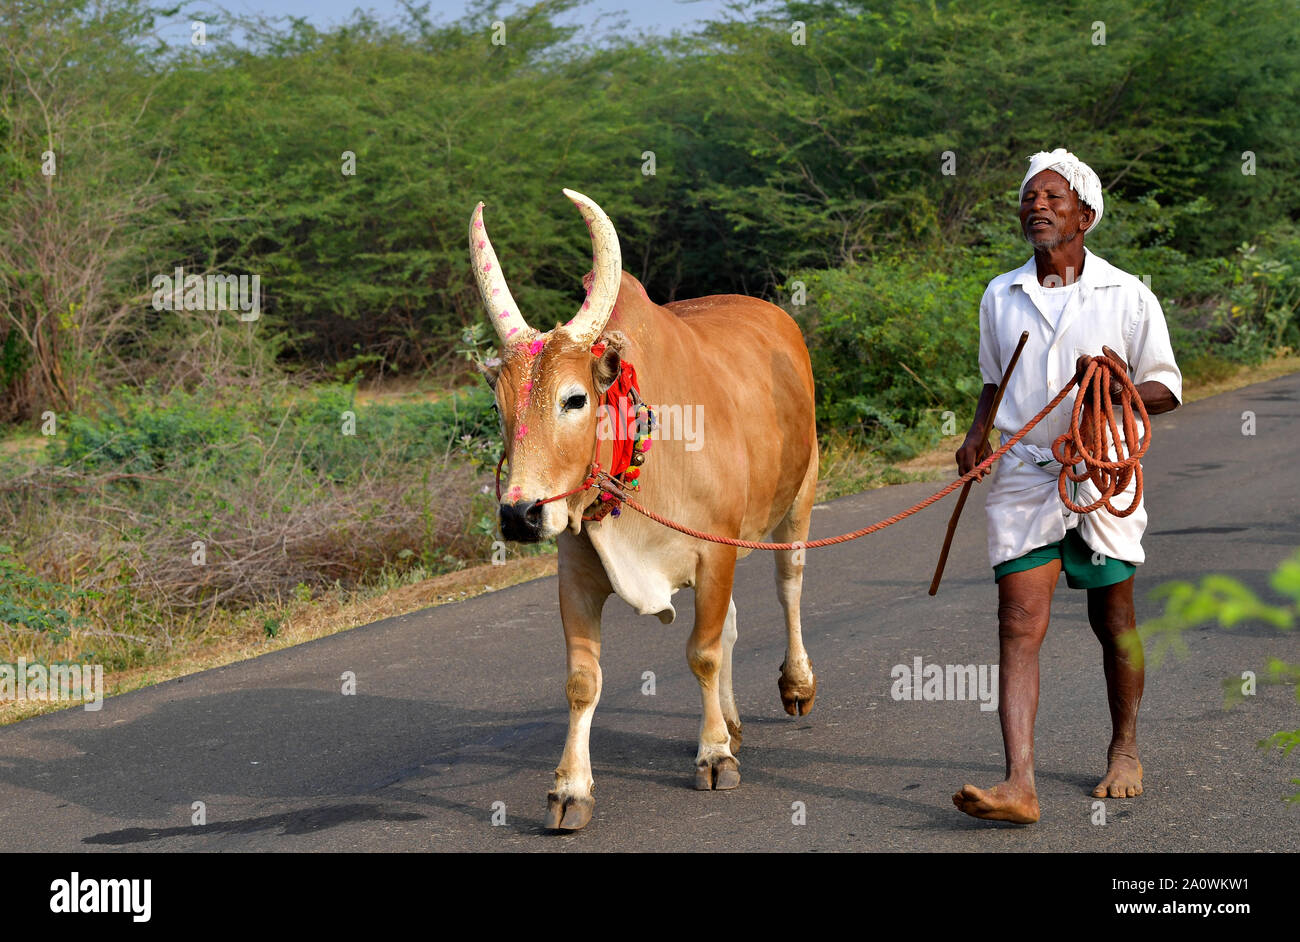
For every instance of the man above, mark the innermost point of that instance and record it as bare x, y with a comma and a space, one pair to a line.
1074, 304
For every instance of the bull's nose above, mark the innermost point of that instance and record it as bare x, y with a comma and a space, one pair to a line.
522, 521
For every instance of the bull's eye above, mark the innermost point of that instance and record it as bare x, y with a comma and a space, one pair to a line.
575, 402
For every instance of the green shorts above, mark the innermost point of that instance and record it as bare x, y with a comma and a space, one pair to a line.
1083, 568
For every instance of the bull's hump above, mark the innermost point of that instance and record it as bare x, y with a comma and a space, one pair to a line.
715, 303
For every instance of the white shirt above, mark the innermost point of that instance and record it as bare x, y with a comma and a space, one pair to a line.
1052, 301
1108, 307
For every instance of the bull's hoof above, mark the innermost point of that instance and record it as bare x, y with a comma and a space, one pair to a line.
717, 774
734, 730
568, 813
797, 693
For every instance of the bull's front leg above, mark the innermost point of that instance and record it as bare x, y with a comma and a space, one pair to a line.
583, 590
715, 764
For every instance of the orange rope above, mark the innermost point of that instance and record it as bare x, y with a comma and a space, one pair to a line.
1111, 477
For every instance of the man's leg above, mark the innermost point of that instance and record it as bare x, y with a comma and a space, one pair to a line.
1024, 609
1110, 612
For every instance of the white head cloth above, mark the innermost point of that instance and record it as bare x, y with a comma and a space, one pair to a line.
1079, 175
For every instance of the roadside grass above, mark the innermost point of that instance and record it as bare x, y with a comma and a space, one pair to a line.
290, 613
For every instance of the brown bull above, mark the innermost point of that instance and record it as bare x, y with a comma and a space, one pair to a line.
740, 363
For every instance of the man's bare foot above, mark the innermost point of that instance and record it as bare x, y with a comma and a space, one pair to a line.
1006, 801
1123, 778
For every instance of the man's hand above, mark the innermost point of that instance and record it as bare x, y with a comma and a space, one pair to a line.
975, 448
972, 451
1116, 364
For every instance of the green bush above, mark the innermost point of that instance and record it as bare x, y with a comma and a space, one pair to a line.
895, 341
140, 434
29, 601
1228, 601
405, 433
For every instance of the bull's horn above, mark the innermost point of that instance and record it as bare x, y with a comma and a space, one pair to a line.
502, 310
607, 266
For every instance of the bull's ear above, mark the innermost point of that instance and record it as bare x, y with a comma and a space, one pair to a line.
491, 369
610, 361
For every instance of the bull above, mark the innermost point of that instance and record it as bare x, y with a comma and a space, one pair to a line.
739, 362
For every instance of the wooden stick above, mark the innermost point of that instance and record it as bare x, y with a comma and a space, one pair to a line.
965, 491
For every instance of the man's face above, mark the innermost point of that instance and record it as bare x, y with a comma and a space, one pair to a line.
1051, 213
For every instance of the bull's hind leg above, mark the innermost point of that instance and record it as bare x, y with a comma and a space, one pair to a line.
706, 652
730, 713
583, 590
798, 683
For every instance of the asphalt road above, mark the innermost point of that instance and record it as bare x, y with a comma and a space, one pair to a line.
462, 706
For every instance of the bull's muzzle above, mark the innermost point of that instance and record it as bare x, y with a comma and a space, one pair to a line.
521, 521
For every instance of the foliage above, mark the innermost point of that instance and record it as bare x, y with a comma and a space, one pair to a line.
770, 158
30, 602
162, 508
1225, 600
893, 342
230, 438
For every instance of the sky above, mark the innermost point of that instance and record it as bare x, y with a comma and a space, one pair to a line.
641, 15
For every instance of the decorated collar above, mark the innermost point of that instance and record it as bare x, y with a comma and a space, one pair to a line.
632, 422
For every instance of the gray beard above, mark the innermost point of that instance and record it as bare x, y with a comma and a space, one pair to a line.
1049, 242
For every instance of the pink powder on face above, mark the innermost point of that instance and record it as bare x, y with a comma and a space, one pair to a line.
529, 352
515, 493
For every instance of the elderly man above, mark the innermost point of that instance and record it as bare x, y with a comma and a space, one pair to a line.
1074, 304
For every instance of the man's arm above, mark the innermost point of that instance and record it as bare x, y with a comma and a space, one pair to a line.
975, 449
1155, 395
